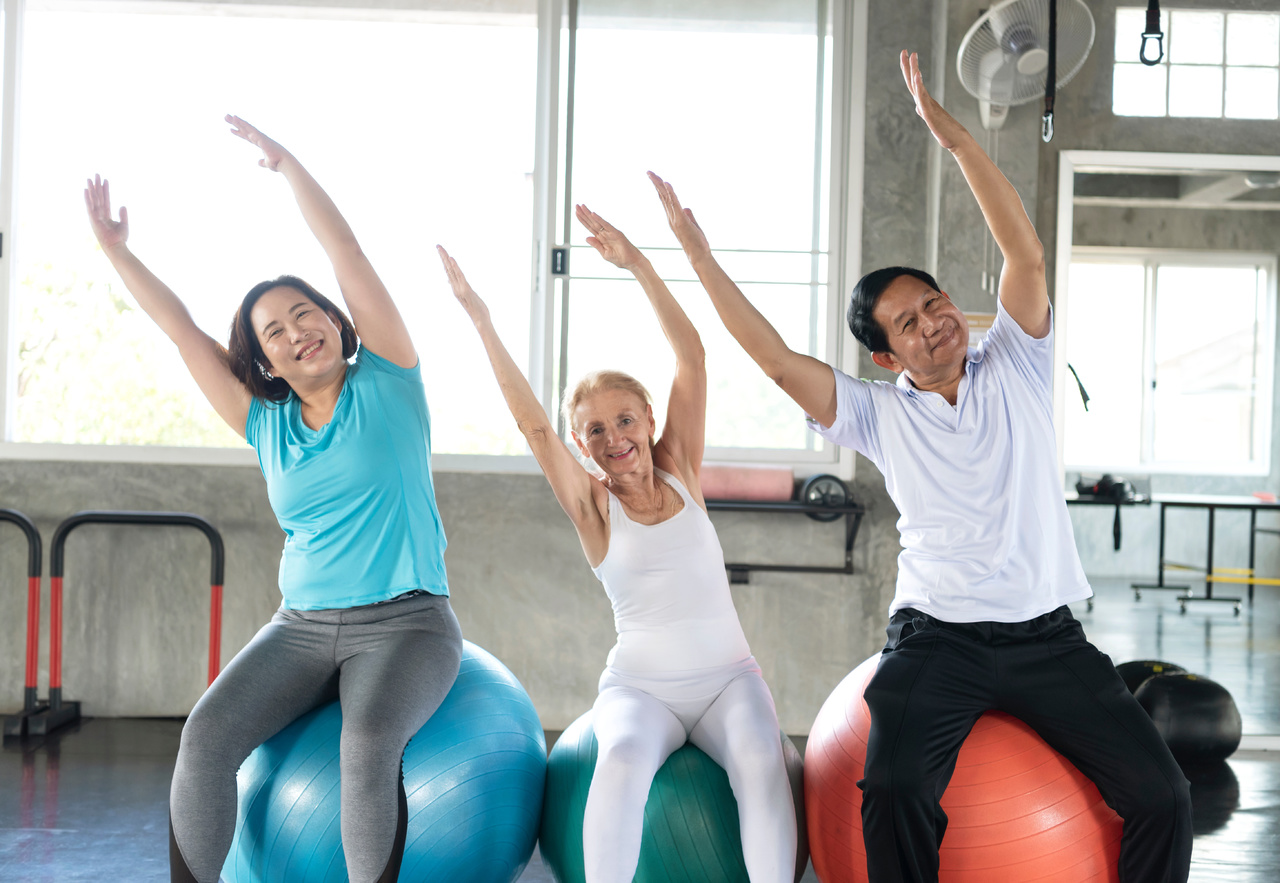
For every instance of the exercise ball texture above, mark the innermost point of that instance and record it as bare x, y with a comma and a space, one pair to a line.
1017, 809
473, 777
691, 832
1135, 673
1196, 717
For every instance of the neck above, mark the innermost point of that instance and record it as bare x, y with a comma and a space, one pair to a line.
945, 383
320, 398
637, 489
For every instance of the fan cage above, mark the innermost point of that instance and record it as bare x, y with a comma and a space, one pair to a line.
1010, 29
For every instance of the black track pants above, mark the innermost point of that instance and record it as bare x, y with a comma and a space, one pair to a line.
933, 682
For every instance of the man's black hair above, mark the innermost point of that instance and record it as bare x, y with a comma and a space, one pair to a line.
866, 294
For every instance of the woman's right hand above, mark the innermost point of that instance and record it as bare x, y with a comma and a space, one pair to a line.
462, 290
688, 233
608, 240
97, 200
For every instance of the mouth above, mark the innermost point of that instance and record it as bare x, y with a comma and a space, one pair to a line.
309, 351
623, 455
945, 337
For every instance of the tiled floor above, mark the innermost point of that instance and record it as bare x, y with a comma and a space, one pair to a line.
90, 802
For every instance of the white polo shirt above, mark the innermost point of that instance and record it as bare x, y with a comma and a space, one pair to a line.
984, 529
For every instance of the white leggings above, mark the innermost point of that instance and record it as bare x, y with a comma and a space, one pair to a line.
639, 720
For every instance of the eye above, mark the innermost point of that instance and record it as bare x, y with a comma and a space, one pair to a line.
301, 313
596, 430
271, 334
626, 421
908, 324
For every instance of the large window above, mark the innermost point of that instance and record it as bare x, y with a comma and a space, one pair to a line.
1216, 64
424, 124
734, 127
410, 161
1176, 351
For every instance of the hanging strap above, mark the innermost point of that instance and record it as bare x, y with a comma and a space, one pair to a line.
1051, 77
1151, 33
1084, 396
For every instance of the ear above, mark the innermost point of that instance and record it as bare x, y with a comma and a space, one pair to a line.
944, 294
887, 361
581, 447
653, 425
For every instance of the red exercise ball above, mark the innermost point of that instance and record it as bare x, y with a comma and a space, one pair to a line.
1016, 809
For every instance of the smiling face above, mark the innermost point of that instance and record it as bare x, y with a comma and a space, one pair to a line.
301, 342
614, 427
928, 334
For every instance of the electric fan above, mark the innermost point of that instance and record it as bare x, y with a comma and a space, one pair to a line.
1003, 58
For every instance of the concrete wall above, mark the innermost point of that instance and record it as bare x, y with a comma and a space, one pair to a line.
136, 629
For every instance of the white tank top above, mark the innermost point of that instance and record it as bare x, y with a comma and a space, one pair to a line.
671, 602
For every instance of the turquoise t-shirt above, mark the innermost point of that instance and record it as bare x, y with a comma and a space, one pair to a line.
355, 497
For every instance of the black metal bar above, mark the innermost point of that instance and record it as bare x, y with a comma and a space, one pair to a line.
1208, 570
739, 572
1253, 539
57, 548
16, 724
1159, 583
60, 711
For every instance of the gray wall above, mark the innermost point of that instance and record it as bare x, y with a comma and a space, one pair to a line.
136, 630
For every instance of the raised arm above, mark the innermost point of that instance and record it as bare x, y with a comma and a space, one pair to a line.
1023, 290
204, 356
373, 312
808, 381
684, 434
575, 490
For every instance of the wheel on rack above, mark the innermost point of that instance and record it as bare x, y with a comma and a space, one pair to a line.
824, 490
1137, 594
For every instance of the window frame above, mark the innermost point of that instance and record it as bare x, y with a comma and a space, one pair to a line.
1085, 161
845, 126
1151, 260
1167, 65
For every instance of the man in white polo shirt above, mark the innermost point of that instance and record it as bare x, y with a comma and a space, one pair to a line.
966, 443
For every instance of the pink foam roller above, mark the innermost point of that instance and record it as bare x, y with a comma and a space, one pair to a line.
769, 483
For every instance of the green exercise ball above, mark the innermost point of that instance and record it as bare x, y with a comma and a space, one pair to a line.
691, 830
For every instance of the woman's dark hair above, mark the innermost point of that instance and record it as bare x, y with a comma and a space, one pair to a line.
866, 294
244, 353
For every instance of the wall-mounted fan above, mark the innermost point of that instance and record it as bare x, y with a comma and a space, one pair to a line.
1003, 59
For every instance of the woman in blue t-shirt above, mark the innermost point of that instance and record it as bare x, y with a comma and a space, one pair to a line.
344, 446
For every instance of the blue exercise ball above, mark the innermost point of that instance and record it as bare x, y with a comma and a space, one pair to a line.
473, 776
691, 832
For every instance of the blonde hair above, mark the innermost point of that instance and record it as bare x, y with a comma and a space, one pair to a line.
599, 381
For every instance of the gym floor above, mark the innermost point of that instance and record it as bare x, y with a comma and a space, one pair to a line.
89, 802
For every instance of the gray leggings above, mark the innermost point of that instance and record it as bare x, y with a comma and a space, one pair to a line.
390, 664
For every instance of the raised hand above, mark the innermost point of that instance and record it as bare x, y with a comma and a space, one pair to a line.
462, 290
608, 240
97, 200
942, 124
272, 153
683, 224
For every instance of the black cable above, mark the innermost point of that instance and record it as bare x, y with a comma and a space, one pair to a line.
1051, 79
1152, 32
1084, 396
